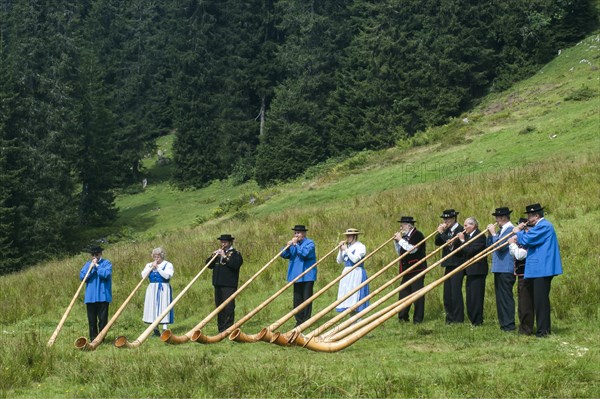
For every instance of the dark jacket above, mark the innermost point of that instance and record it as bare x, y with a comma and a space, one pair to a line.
441, 238
226, 270
471, 250
414, 238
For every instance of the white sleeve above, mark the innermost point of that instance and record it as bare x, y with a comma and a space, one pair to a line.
357, 253
516, 252
147, 270
406, 246
340, 256
168, 271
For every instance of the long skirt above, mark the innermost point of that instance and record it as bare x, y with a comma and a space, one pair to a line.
348, 283
158, 297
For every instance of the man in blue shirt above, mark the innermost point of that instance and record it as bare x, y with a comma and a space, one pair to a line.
503, 268
302, 255
542, 263
98, 290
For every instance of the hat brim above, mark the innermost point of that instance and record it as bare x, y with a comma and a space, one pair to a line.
534, 211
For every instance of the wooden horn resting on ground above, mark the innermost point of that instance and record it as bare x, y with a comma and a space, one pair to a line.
64, 317
199, 337
374, 305
82, 342
121, 342
316, 344
169, 338
282, 339
298, 330
354, 323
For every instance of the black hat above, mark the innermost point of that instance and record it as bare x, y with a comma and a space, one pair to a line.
523, 220
502, 212
449, 213
407, 219
533, 208
95, 249
300, 227
226, 237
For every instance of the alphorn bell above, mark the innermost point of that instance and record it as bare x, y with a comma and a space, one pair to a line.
82, 342
266, 334
316, 344
64, 317
297, 330
169, 338
121, 342
199, 337
348, 326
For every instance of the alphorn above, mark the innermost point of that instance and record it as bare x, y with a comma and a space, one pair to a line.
168, 337
316, 344
352, 319
266, 334
347, 327
199, 337
121, 342
64, 317
297, 330
82, 342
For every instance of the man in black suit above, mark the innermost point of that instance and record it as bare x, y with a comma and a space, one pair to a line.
405, 241
453, 299
477, 272
226, 275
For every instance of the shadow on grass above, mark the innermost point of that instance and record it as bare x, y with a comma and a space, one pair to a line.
139, 218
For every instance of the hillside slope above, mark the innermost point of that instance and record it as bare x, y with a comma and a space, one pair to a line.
539, 142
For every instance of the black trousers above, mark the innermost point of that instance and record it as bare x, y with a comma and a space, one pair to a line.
525, 305
453, 299
303, 291
541, 304
226, 316
419, 303
505, 302
474, 298
97, 313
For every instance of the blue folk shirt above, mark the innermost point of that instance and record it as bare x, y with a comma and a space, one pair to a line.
543, 254
301, 256
98, 286
502, 261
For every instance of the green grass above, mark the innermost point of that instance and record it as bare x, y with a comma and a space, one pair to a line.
504, 156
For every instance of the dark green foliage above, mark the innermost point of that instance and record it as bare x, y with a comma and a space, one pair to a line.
258, 89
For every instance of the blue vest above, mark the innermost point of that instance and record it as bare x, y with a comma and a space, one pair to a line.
502, 261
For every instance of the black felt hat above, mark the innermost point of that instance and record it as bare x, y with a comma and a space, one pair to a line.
407, 219
226, 237
95, 249
533, 208
523, 220
449, 213
300, 227
502, 212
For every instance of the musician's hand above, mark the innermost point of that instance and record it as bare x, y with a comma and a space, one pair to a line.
491, 228
512, 240
398, 236
441, 228
461, 236
344, 246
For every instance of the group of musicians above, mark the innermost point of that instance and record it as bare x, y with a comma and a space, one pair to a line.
532, 257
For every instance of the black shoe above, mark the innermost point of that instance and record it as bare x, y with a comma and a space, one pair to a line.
156, 332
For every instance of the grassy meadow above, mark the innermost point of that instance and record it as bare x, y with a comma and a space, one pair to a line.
538, 142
